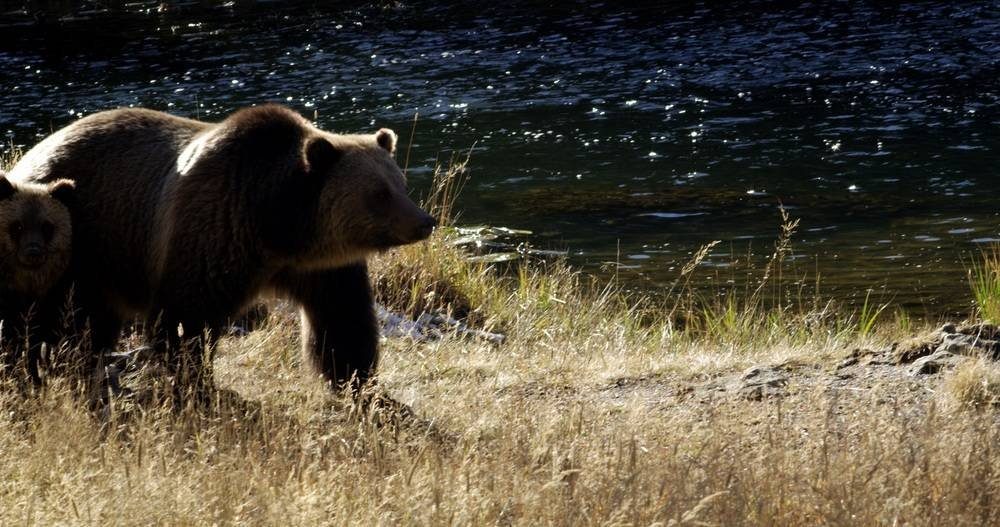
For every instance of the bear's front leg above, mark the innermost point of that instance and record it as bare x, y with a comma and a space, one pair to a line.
339, 331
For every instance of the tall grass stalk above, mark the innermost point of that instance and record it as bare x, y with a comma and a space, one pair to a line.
869, 314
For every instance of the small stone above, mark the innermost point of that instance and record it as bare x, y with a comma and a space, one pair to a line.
848, 362
760, 382
958, 344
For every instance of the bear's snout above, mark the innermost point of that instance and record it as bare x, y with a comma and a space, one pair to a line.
409, 223
32, 255
412, 231
425, 227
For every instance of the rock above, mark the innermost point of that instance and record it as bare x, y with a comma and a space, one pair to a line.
984, 331
760, 382
848, 362
971, 340
910, 350
117, 366
960, 344
429, 326
936, 362
979, 339
867, 357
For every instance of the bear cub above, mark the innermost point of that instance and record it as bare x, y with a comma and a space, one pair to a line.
35, 248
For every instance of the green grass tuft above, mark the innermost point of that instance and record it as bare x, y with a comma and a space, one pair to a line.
984, 278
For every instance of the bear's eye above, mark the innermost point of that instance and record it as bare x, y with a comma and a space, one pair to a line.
48, 229
15, 229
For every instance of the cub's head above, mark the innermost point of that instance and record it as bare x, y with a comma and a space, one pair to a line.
356, 201
35, 234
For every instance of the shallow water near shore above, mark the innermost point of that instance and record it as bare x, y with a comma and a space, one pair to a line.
628, 137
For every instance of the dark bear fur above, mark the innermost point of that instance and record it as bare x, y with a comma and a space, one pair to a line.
35, 244
186, 223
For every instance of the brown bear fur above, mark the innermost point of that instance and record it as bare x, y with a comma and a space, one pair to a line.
182, 222
35, 246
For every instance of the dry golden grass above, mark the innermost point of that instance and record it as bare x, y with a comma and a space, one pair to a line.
582, 417
522, 449
975, 383
9, 157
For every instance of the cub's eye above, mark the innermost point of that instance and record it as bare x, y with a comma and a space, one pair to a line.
15, 229
48, 229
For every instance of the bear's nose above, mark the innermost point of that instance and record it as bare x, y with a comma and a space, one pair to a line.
426, 227
33, 255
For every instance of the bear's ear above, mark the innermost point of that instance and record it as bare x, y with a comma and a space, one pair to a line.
63, 190
6, 187
321, 155
386, 138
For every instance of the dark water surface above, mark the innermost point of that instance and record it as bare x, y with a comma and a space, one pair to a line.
629, 134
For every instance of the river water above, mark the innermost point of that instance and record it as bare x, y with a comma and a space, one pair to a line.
626, 136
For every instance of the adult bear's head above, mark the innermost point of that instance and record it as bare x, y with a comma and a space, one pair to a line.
342, 200
365, 194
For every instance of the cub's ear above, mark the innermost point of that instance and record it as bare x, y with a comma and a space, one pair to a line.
63, 190
6, 187
321, 155
386, 138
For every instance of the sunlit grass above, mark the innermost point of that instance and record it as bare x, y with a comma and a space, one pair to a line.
9, 157
984, 278
869, 315
975, 383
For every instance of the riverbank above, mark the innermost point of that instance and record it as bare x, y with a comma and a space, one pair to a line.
598, 407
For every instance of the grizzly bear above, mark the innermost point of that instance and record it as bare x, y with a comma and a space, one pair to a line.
35, 243
185, 223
